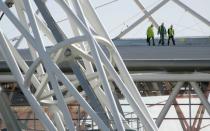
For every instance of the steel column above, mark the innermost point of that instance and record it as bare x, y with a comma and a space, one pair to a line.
201, 96
168, 104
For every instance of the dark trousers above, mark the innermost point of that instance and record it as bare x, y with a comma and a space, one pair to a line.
161, 41
172, 38
148, 41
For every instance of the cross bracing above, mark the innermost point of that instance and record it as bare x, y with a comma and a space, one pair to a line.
97, 73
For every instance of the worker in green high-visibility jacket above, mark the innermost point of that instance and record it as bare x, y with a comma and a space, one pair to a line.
162, 32
150, 35
171, 35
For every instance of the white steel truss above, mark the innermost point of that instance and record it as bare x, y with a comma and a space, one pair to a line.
97, 72
85, 45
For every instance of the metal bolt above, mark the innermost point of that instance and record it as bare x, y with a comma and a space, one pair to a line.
67, 52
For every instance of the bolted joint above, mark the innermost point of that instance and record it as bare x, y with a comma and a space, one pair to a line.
9, 3
67, 52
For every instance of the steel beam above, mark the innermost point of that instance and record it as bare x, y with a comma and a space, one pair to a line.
144, 77
168, 104
141, 7
131, 27
198, 118
48, 64
182, 119
171, 77
9, 117
200, 112
180, 114
139, 108
90, 94
98, 63
9, 57
59, 37
202, 97
192, 12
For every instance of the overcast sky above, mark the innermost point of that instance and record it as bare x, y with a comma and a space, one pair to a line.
122, 13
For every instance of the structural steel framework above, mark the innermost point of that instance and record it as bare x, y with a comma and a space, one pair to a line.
95, 73
85, 46
148, 14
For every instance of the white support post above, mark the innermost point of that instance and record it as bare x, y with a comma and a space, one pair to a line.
8, 56
148, 122
168, 104
72, 90
204, 100
48, 64
102, 75
96, 24
20, 11
85, 53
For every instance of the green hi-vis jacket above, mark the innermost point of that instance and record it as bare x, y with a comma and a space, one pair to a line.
170, 32
150, 32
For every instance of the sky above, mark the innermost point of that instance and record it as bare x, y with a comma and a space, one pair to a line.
122, 13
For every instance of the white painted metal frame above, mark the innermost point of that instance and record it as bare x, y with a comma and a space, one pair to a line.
88, 37
192, 12
137, 22
156, 8
143, 9
48, 59
173, 95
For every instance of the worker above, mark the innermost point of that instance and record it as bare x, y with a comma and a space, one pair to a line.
162, 32
150, 35
171, 35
